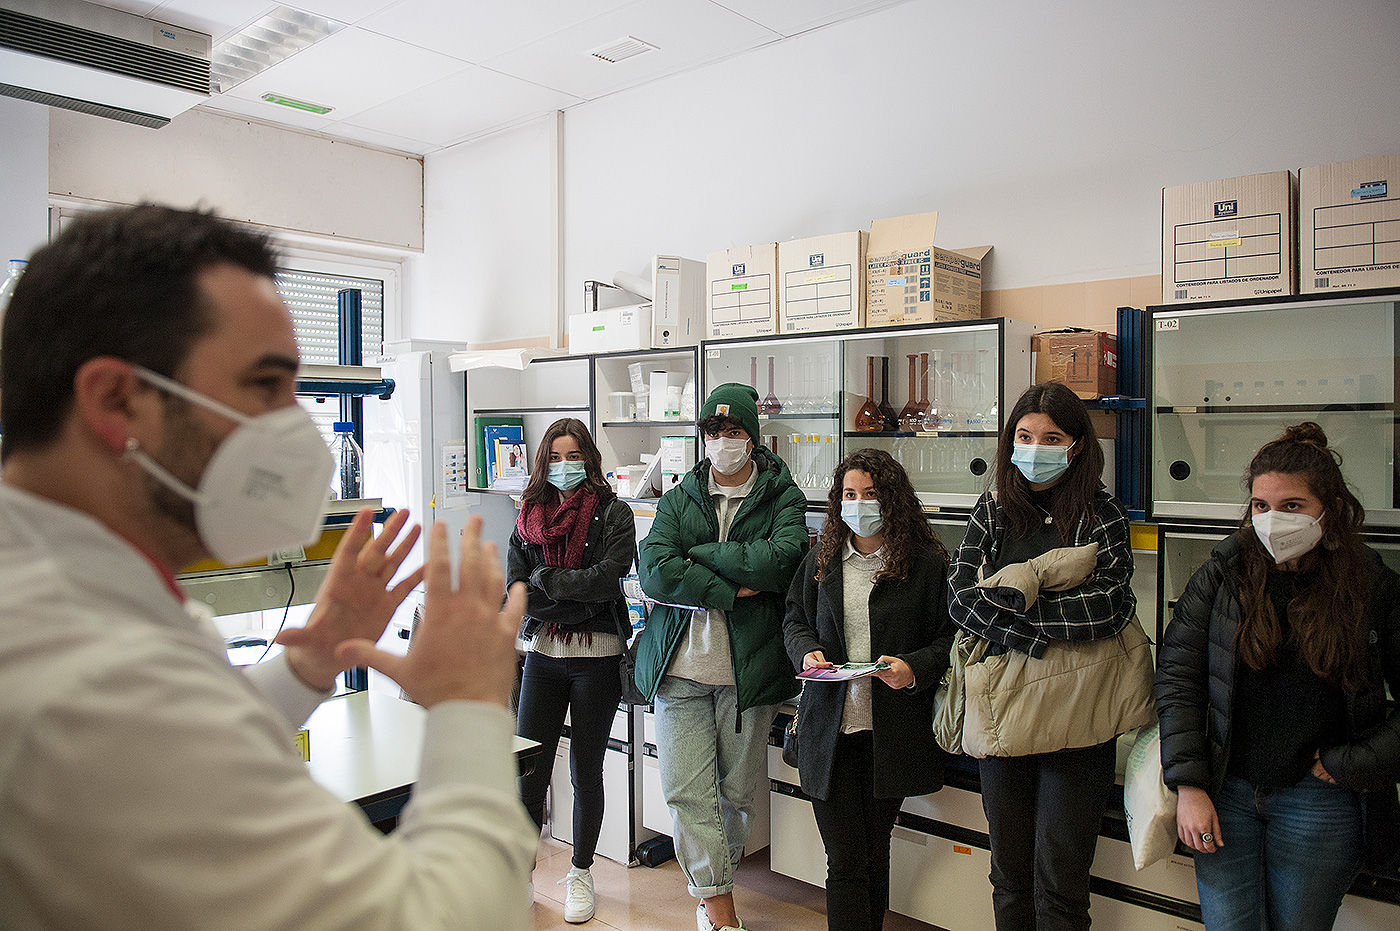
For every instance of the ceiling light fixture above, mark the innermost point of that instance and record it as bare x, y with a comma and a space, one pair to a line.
297, 104
622, 49
273, 39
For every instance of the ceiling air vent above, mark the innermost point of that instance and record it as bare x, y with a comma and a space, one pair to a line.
75, 55
623, 49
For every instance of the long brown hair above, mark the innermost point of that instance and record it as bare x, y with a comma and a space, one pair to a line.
1076, 490
538, 490
1327, 620
906, 530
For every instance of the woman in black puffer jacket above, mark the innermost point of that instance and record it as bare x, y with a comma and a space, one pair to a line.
1271, 693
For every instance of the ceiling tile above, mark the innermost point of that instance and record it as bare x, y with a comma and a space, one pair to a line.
686, 33
349, 11
381, 140
789, 18
465, 104
351, 71
480, 29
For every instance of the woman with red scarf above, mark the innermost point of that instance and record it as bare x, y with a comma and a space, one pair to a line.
574, 540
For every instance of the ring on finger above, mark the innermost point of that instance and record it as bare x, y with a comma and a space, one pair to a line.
1207, 838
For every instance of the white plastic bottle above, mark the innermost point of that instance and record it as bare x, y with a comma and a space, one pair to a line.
7, 287
349, 462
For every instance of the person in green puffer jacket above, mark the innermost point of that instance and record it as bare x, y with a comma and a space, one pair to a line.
719, 558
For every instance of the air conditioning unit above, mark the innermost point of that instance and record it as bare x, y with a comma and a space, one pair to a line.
75, 55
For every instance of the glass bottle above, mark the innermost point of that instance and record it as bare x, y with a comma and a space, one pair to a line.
911, 417
935, 414
770, 405
868, 417
887, 413
349, 462
753, 373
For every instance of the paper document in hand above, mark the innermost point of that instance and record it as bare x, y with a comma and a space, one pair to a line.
842, 673
631, 588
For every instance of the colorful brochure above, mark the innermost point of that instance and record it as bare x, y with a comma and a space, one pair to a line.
842, 673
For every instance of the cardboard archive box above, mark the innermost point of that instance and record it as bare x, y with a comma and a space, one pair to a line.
742, 291
1349, 225
1085, 361
910, 280
822, 283
1228, 239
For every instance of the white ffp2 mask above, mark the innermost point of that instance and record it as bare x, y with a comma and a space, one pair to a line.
1286, 536
264, 488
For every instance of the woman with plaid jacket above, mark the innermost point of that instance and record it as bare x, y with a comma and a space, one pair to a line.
1043, 810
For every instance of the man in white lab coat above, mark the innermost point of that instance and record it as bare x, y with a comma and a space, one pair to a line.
147, 377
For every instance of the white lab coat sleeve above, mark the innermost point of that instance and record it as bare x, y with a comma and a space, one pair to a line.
284, 690
158, 790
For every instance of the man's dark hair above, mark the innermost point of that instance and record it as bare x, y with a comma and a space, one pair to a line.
118, 283
715, 424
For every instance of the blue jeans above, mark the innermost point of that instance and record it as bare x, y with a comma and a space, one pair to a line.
709, 775
1289, 855
589, 690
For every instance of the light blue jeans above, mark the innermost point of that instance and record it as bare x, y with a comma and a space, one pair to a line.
1288, 858
709, 775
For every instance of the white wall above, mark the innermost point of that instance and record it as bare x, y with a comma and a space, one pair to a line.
24, 178
1044, 129
245, 170
484, 274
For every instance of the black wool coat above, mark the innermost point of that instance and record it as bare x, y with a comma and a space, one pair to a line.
908, 619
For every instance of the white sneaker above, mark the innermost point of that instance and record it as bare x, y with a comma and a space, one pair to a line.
578, 895
702, 921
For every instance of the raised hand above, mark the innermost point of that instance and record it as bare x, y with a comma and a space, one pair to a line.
464, 645
355, 601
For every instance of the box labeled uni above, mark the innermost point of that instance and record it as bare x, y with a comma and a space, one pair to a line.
821, 283
910, 280
1085, 361
1349, 225
742, 287
1229, 239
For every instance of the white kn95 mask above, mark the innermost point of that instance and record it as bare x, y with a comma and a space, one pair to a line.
1286, 536
265, 487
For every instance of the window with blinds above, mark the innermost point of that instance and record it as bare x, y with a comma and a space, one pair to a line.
312, 299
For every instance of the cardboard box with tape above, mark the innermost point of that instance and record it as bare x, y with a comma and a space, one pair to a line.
1085, 361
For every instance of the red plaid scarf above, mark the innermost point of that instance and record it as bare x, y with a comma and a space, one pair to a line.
561, 528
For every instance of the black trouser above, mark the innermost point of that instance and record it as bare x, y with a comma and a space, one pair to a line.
1043, 813
589, 690
855, 828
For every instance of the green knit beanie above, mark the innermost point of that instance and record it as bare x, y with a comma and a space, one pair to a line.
737, 402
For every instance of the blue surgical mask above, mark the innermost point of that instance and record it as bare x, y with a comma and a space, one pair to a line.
566, 475
863, 517
1040, 464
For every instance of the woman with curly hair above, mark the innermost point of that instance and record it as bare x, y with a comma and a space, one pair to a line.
872, 590
1044, 809
1271, 684
574, 540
